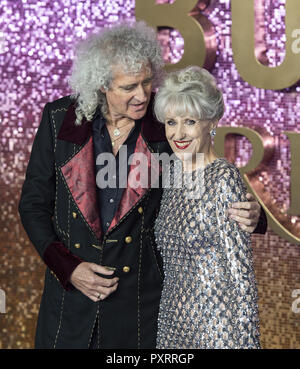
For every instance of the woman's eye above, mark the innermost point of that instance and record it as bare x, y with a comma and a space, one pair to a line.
170, 122
190, 122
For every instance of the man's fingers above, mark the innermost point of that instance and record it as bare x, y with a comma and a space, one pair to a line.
94, 297
99, 294
246, 206
241, 220
100, 269
246, 228
250, 196
241, 205
85, 279
104, 282
102, 293
248, 214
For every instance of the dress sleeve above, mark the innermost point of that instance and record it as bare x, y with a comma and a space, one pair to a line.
237, 251
36, 205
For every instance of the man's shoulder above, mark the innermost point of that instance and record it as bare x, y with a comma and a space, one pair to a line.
61, 104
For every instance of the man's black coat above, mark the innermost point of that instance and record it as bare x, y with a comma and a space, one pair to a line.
60, 213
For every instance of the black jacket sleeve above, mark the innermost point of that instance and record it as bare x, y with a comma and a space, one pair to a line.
37, 202
262, 224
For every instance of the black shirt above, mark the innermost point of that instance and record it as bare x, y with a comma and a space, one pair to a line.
110, 196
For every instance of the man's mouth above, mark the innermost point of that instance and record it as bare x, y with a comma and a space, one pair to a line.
182, 144
139, 106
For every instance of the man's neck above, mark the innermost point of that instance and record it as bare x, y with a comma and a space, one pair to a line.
118, 121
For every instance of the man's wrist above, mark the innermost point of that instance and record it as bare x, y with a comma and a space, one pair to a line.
61, 262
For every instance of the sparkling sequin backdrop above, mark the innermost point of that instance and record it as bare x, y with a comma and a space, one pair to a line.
36, 51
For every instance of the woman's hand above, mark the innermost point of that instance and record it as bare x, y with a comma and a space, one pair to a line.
246, 213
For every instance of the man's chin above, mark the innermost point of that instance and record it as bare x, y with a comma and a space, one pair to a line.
138, 114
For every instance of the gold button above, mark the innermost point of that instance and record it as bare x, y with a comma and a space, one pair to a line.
128, 239
140, 210
74, 215
126, 269
77, 245
97, 247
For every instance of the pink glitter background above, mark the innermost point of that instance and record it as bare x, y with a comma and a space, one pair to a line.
36, 51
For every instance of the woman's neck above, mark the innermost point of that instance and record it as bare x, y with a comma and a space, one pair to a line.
201, 160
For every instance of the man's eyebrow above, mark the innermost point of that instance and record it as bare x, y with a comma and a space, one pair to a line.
129, 85
135, 84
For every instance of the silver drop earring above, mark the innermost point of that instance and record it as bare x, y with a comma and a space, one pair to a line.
213, 133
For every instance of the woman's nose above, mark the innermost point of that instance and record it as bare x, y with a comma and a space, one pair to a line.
179, 132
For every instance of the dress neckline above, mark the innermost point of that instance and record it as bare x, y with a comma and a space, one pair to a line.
206, 167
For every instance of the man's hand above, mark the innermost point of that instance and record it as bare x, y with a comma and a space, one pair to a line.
90, 284
246, 213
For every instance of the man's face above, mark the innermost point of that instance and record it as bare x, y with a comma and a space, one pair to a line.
129, 94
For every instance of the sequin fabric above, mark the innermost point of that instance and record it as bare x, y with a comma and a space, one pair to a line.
209, 297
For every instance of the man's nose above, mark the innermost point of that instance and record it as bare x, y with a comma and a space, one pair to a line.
141, 95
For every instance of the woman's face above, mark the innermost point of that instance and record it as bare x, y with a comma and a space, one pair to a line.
188, 136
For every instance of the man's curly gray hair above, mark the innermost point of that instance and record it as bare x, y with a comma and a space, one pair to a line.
191, 91
128, 46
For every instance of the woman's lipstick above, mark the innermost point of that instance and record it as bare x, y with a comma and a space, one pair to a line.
182, 144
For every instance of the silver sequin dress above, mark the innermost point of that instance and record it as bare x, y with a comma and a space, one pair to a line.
209, 297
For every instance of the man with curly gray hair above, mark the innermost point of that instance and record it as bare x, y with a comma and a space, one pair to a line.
104, 276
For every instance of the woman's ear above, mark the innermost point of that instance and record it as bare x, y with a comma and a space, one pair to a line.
213, 125
103, 90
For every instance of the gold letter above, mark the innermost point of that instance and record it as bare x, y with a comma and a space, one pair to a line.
296, 43
294, 139
250, 69
2, 302
277, 221
253, 137
177, 16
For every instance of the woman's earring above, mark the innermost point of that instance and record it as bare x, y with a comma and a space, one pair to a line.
213, 133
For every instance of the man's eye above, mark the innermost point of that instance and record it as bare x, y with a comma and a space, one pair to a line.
128, 88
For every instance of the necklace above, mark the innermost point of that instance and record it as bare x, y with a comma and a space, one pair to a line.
116, 132
116, 139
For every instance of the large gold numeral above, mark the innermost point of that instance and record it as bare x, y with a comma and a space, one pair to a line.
243, 45
177, 16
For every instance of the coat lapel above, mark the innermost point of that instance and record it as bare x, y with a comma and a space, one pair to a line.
79, 171
143, 169
79, 175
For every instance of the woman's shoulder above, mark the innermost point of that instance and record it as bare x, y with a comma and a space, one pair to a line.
222, 169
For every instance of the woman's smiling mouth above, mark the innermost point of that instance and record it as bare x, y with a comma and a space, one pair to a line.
182, 144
